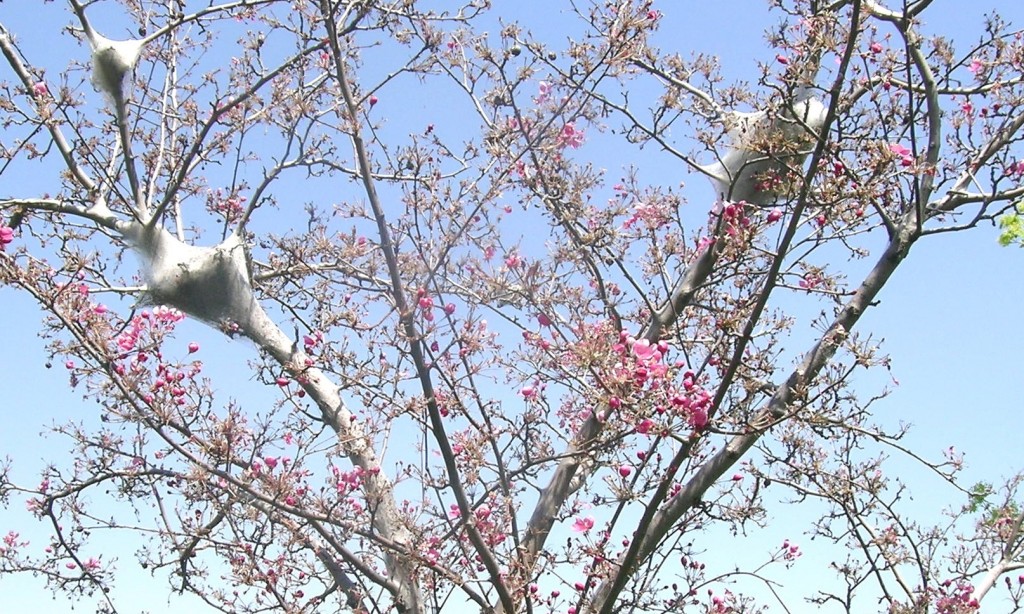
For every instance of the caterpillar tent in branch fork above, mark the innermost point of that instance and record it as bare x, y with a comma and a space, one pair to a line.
112, 60
767, 150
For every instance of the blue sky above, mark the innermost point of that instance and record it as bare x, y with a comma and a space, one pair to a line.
948, 316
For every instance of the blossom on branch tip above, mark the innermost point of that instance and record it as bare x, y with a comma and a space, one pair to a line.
543, 92
906, 156
582, 525
570, 136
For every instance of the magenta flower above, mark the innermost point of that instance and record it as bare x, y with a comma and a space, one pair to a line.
698, 419
39, 89
543, 92
6, 236
898, 149
905, 155
570, 136
582, 525
193, 347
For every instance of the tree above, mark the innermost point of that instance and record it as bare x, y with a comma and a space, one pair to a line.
503, 378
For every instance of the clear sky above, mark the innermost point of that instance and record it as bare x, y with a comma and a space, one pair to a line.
948, 316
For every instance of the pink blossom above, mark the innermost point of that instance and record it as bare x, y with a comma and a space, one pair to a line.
543, 92
6, 236
570, 136
270, 461
39, 89
774, 215
528, 392
810, 281
975, 67
625, 470
282, 381
698, 418
644, 426
582, 525
543, 319
905, 155
876, 47
373, 100
193, 347
898, 149
11, 539
704, 242
645, 352
652, 213
781, 59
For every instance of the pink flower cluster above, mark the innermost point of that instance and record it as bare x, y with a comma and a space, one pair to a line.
426, 304
905, 155
652, 213
642, 364
347, 481
162, 318
230, 207
570, 136
957, 599
640, 361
